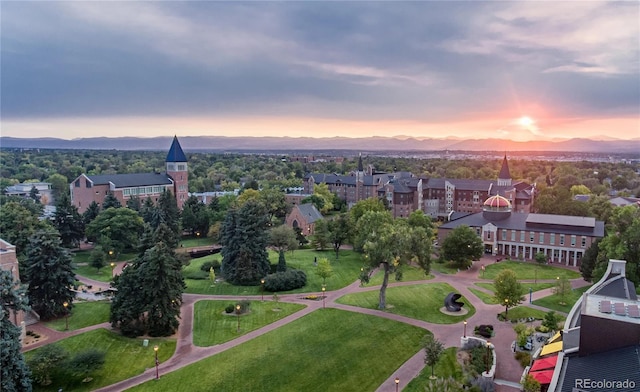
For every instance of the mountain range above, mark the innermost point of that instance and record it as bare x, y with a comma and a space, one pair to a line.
285, 144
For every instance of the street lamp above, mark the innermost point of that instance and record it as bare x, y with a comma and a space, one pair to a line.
506, 307
323, 290
464, 335
397, 380
262, 288
113, 265
486, 358
155, 349
238, 313
66, 315
530, 294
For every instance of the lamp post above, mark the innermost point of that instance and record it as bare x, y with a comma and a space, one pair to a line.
66, 315
155, 349
506, 307
397, 380
464, 334
323, 290
238, 313
486, 358
262, 288
113, 265
530, 294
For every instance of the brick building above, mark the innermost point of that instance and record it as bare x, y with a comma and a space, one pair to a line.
89, 188
9, 262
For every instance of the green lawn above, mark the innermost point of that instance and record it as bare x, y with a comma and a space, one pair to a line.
444, 268
420, 301
193, 242
524, 312
81, 265
83, 315
446, 367
553, 301
484, 297
213, 326
327, 350
527, 270
534, 286
125, 358
409, 274
346, 270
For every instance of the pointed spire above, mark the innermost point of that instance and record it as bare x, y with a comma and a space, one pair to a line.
175, 152
360, 167
504, 170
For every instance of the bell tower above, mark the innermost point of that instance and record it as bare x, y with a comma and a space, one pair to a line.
178, 171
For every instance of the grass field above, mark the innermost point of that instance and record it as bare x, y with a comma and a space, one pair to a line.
484, 297
213, 326
444, 268
81, 265
191, 242
527, 271
346, 270
526, 286
446, 367
327, 350
409, 274
553, 301
420, 301
83, 315
125, 358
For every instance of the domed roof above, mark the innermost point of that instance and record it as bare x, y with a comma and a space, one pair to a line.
497, 201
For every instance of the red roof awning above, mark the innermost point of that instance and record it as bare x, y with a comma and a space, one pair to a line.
544, 363
544, 377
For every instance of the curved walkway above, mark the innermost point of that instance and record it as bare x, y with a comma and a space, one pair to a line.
508, 369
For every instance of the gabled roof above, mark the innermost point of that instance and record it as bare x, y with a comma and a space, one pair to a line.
131, 179
310, 212
175, 152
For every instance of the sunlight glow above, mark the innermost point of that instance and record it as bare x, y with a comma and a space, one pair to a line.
526, 121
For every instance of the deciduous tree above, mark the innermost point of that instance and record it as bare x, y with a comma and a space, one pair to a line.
433, 349
338, 231
508, 291
324, 269
462, 246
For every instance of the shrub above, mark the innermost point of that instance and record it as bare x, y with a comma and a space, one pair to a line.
524, 358
206, 266
484, 330
85, 363
230, 308
283, 281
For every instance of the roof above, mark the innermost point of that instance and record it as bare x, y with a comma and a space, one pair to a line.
175, 152
131, 179
520, 222
551, 348
615, 365
565, 220
504, 170
460, 184
497, 202
310, 212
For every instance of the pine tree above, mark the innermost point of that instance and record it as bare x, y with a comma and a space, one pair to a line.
282, 263
49, 274
91, 213
244, 240
110, 201
68, 222
14, 373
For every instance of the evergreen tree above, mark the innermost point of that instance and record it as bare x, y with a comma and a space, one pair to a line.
34, 194
134, 203
127, 306
15, 376
68, 222
91, 213
244, 240
110, 201
589, 261
195, 216
282, 263
49, 274
97, 258
147, 210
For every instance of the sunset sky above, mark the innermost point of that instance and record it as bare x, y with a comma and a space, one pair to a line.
517, 70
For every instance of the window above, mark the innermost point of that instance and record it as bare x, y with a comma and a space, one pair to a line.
77, 183
552, 238
561, 239
522, 236
573, 240
149, 189
89, 185
182, 167
171, 167
513, 235
584, 242
126, 192
531, 236
504, 235
542, 238
488, 235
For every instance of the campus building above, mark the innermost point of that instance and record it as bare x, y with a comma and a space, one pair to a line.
305, 217
563, 239
9, 262
436, 197
94, 188
599, 347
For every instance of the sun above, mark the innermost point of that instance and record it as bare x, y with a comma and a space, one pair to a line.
526, 121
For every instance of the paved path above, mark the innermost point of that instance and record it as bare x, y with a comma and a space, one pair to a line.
508, 370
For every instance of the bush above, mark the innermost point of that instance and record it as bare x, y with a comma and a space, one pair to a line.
284, 281
206, 266
484, 330
524, 358
230, 308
